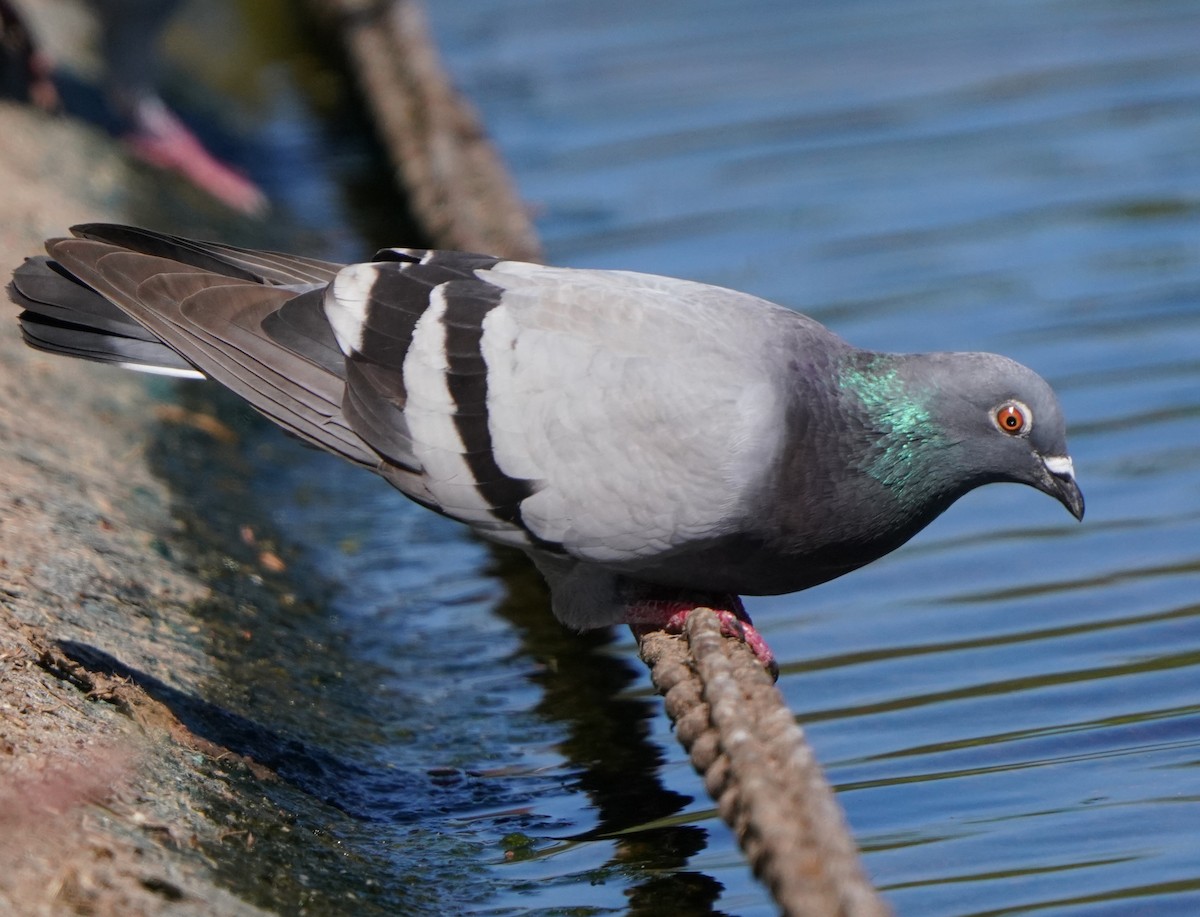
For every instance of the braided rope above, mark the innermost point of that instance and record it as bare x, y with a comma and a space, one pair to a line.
756, 765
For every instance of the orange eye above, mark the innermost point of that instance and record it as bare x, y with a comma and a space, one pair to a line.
1012, 418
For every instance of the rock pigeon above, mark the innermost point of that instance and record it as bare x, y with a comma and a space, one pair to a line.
651, 443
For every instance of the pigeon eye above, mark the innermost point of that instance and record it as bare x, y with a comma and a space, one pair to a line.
1013, 418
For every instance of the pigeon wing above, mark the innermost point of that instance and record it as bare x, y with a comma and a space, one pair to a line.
612, 417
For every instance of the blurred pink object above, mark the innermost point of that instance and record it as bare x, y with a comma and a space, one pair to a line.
159, 138
129, 42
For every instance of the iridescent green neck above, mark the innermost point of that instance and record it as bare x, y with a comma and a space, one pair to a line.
901, 430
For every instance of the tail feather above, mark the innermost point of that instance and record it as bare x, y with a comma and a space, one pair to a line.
183, 305
65, 338
63, 316
253, 321
42, 286
273, 268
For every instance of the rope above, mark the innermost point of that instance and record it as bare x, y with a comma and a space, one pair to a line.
455, 180
756, 765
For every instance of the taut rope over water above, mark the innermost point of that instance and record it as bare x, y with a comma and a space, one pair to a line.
767, 783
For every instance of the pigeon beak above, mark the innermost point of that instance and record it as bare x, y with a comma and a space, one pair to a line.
1057, 478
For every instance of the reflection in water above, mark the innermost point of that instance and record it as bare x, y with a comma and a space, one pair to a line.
607, 740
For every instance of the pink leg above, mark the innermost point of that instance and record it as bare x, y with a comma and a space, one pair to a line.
648, 615
162, 140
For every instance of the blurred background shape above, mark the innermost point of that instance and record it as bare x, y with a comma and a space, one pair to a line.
130, 102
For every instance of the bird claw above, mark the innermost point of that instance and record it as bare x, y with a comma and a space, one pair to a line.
671, 617
744, 630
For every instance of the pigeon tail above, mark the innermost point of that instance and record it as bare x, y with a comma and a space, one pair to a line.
63, 316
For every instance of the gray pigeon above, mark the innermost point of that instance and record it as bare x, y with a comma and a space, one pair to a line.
650, 443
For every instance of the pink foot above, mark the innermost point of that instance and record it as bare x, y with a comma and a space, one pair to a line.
670, 615
160, 139
42, 91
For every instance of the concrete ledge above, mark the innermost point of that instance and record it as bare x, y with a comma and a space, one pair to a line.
98, 782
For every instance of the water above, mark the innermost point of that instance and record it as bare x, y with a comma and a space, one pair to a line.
1008, 705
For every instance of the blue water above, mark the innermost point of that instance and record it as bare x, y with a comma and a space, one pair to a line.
1009, 706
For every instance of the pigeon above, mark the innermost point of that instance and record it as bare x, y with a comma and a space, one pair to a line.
653, 444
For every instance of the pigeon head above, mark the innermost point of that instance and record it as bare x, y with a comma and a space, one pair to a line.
950, 422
